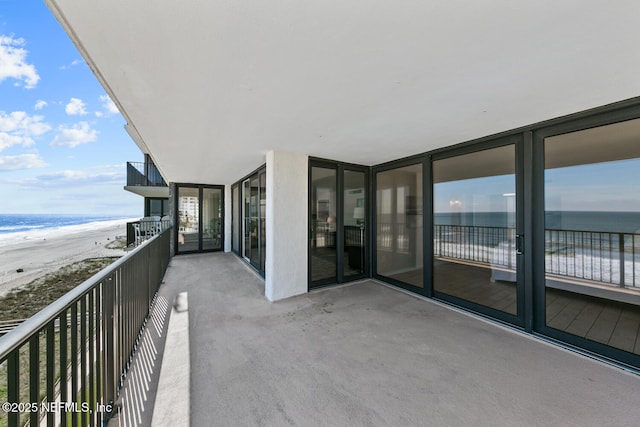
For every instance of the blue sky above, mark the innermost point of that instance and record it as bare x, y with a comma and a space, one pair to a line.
63, 147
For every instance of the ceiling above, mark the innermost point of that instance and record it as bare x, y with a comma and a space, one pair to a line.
209, 87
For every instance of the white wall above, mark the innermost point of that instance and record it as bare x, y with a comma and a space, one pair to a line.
286, 222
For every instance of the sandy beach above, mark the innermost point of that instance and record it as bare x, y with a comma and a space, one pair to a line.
45, 251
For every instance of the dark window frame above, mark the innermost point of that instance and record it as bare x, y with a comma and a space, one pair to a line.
259, 268
340, 167
200, 188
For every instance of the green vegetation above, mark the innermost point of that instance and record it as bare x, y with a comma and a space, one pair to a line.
26, 301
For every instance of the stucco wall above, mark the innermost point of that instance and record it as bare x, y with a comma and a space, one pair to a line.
286, 222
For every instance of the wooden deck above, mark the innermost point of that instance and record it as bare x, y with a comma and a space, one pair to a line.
613, 323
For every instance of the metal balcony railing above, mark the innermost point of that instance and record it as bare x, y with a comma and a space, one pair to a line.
605, 257
610, 258
144, 174
66, 364
140, 231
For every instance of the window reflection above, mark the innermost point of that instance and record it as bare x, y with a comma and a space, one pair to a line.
323, 226
399, 224
592, 234
354, 203
474, 228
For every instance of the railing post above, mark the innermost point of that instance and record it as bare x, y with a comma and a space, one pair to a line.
622, 257
34, 376
13, 385
108, 345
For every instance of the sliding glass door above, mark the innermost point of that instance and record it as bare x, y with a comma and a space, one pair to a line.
323, 223
337, 223
476, 230
254, 198
200, 214
591, 289
399, 225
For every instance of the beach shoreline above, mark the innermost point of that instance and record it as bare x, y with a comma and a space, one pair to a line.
42, 251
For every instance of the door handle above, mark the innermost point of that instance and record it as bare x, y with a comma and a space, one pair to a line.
519, 244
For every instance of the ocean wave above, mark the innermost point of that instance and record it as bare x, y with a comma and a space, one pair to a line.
14, 228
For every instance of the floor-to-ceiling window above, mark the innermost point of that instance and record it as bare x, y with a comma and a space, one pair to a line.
399, 224
251, 196
200, 218
592, 236
475, 243
354, 222
323, 224
338, 222
235, 218
212, 218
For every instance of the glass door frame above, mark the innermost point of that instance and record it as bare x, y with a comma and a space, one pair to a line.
523, 282
244, 215
340, 168
244, 249
427, 252
596, 119
200, 188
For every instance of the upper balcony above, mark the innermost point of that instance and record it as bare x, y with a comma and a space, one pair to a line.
144, 179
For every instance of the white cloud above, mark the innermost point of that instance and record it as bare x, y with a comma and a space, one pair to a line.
19, 128
71, 65
79, 133
23, 161
13, 63
108, 105
72, 178
40, 104
75, 107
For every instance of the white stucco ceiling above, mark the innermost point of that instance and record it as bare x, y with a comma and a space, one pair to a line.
211, 86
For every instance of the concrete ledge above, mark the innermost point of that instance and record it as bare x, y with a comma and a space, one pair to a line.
172, 405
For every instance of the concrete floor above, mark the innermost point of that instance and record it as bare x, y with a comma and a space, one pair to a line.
367, 355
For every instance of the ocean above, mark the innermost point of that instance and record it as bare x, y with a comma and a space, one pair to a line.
610, 222
15, 223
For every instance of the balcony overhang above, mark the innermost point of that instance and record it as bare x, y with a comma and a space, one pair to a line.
148, 191
211, 87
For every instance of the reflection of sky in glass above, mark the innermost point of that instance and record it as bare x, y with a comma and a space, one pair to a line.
487, 194
609, 186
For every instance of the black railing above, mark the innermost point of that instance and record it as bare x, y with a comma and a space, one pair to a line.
604, 257
487, 245
66, 364
144, 174
393, 236
612, 258
140, 231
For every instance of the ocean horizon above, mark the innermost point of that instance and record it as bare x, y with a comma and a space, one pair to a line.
20, 223
598, 221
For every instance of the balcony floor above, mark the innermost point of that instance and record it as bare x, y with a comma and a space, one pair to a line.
367, 354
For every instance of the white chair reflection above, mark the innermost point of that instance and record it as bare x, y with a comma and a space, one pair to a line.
149, 227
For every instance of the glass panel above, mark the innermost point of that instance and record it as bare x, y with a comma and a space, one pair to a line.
263, 211
354, 222
246, 219
188, 219
155, 207
474, 221
323, 223
592, 234
211, 218
399, 225
235, 219
255, 229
